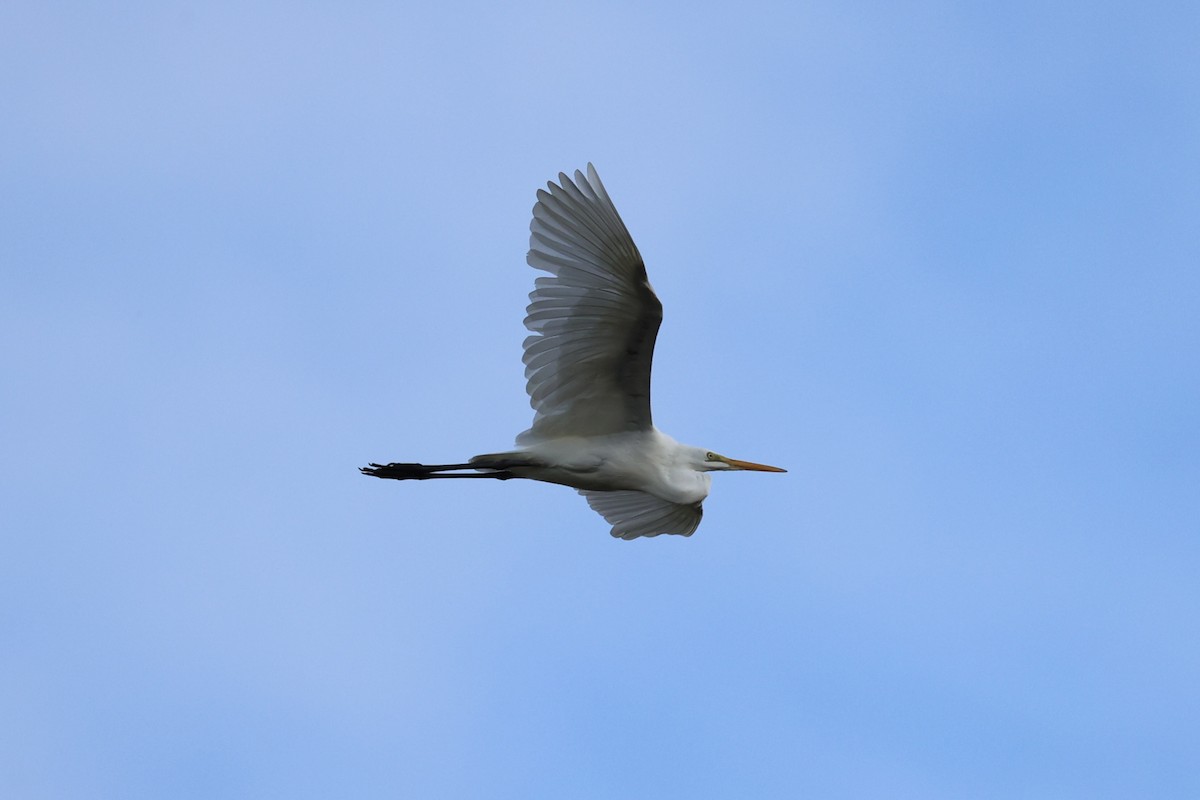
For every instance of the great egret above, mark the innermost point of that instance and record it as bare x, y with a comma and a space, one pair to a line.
594, 322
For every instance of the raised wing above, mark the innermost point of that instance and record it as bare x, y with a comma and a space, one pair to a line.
594, 321
634, 514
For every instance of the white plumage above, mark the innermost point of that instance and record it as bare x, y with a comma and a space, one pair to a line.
594, 321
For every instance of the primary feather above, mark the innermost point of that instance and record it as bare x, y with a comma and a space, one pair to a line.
594, 321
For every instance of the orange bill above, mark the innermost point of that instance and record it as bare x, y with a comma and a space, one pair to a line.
733, 462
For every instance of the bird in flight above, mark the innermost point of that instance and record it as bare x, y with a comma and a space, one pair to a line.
594, 320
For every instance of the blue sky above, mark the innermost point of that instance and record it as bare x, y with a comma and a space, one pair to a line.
939, 260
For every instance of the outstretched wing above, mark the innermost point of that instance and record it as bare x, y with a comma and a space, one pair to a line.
594, 320
634, 514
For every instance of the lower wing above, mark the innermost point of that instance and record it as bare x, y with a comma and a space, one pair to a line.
634, 514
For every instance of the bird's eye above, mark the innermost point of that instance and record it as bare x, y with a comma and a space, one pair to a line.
710, 457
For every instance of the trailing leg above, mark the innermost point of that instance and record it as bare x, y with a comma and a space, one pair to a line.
424, 472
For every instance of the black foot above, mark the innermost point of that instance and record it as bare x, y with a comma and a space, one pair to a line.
397, 471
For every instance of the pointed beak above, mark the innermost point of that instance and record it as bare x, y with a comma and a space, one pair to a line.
750, 465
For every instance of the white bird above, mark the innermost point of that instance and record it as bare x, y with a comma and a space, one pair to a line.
594, 322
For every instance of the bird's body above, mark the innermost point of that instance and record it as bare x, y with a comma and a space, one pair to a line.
646, 461
594, 321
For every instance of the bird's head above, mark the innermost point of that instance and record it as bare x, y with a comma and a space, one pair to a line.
712, 462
